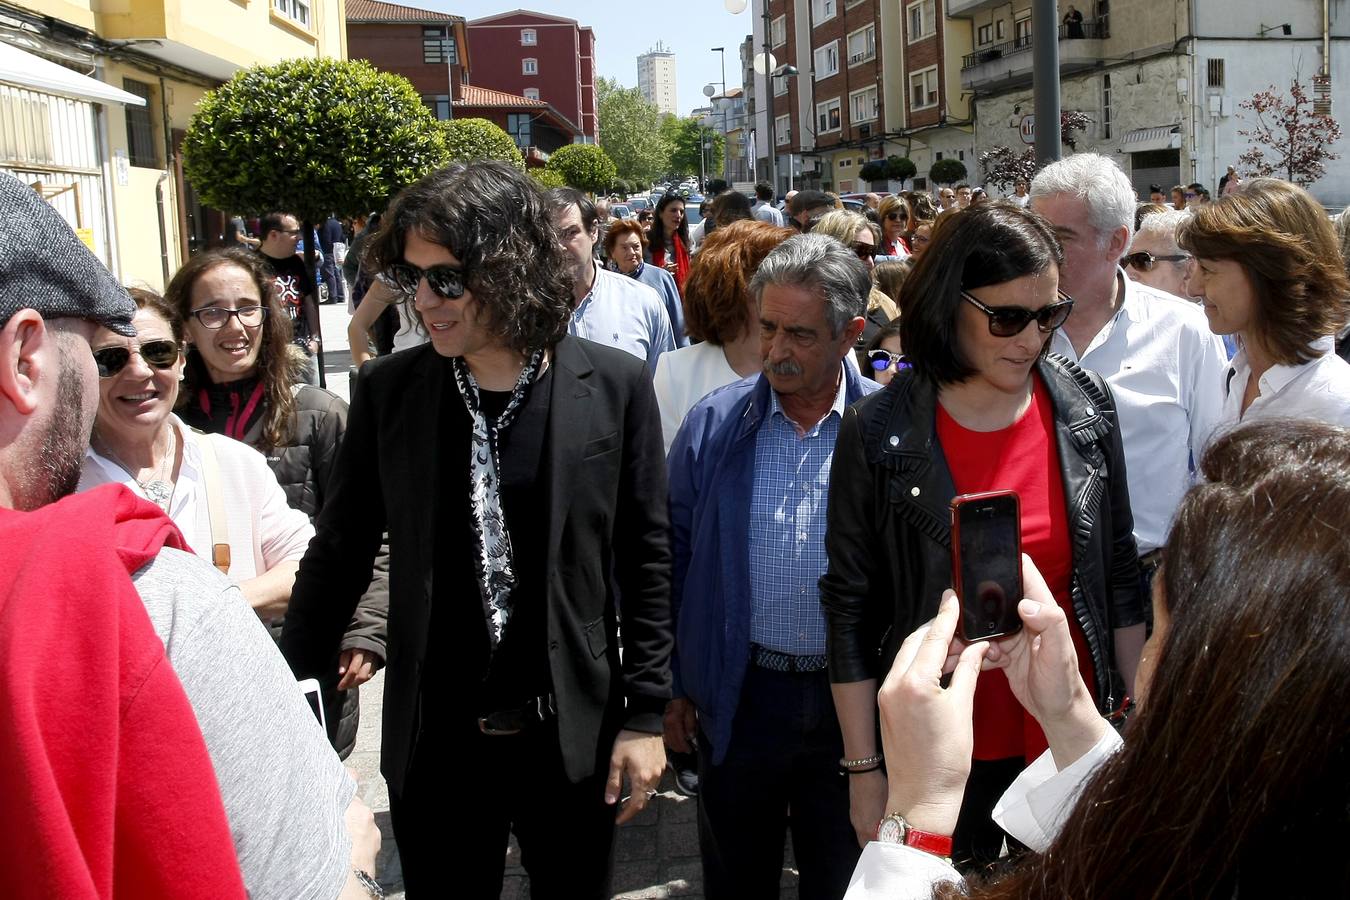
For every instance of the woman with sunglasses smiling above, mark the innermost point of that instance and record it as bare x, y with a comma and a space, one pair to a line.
983, 407
241, 381
855, 232
894, 213
139, 442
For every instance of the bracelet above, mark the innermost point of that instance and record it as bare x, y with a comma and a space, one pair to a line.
371, 886
865, 763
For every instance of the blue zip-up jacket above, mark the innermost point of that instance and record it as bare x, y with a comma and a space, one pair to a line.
711, 467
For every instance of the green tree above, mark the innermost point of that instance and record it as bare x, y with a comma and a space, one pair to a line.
947, 171
472, 139
630, 132
547, 178
684, 136
583, 166
899, 168
312, 137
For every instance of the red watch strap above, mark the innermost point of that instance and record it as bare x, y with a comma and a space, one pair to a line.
937, 844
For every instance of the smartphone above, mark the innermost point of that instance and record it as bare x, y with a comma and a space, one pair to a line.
310, 688
987, 563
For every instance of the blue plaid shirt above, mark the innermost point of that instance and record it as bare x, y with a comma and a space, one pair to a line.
787, 529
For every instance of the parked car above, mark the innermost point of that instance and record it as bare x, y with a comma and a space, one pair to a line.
691, 213
621, 211
638, 204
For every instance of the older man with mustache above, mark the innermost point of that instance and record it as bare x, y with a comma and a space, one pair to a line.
749, 476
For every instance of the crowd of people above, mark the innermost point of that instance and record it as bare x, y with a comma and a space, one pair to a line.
613, 496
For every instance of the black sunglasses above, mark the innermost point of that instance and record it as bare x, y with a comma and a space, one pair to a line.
159, 354
1007, 321
865, 251
1145, 261
894, 216
215, 317
447, 282
881, 360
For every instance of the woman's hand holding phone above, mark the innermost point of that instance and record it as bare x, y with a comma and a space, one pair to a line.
1042, 670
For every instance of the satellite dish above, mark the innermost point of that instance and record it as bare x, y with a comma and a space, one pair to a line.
761, 68
735, 7
709, 90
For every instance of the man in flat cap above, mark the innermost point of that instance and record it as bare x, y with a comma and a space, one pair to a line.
193, 768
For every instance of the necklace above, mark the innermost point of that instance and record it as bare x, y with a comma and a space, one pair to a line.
159, 489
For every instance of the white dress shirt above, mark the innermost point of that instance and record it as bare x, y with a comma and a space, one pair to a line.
623, 312
765, 212
1166, 371
1318, 390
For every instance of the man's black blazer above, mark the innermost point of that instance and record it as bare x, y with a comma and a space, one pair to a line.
604, 476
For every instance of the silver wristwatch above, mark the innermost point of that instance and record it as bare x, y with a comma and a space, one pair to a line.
370, 884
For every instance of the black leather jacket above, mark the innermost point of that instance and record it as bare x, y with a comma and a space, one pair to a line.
889, 531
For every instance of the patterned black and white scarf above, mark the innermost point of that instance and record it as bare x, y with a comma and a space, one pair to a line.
495, 575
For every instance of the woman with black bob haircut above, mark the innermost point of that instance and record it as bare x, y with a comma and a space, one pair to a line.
524, 293
983, 407
668, 239
1234, 763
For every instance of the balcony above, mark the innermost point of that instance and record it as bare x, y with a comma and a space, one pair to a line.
1009, 64
965, 9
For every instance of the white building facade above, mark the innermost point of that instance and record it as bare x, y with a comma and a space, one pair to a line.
656, 79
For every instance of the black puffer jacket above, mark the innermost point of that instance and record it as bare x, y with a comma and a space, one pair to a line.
889, 531
302, 466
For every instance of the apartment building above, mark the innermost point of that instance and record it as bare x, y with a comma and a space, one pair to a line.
656, 79
104, 147
539, 57
430, 49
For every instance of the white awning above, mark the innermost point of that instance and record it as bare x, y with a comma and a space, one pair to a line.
1161, 137
24, 69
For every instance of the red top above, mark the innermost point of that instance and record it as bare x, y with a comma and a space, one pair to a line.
107, 785
681, 260
1023, 458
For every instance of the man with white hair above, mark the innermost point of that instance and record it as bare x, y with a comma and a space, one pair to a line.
1154, 258
1156, 351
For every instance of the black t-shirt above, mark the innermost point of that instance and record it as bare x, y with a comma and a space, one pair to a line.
293, 287
459, 647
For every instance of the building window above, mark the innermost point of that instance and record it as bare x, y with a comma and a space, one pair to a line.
295, 10
530, 93
862, 45
140, 127
438, 104
1022, 32
518, 126
1106, 106
779, 86
529, 67
778, 31
827, 60
923, 89
984, 35
922, 20
528, 37
438, 46
1214, 73
782, 130
822, 10
1000, 29
862, 105
827, 116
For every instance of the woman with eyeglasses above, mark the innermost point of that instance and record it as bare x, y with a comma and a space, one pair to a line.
882, 357
1268, 270
894, 213
239, 381
855, 232
983, 407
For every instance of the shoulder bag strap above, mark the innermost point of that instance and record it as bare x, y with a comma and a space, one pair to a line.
215, 504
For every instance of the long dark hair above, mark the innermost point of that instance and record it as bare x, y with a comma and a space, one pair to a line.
278, 370
496, 222
1236, 763
657, 236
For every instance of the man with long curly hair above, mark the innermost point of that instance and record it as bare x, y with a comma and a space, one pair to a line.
519, 473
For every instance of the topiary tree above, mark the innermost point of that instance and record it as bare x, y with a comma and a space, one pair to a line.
547, 178
900, 168
947, 171
875, 170
467, 140
312, 137
583, 166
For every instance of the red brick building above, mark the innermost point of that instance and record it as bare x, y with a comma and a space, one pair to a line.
536, 126
540, 57
430, 49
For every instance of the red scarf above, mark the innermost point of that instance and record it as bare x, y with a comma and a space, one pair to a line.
681, 260
104, 796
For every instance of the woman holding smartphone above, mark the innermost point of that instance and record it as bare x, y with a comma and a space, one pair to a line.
982, 407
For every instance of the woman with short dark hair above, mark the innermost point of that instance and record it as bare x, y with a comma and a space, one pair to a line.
625, 244
1268, 269
983, 407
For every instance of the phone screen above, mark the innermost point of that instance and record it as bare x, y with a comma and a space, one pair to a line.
310, 688
989, 571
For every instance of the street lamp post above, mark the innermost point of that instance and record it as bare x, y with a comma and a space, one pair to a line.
726, 161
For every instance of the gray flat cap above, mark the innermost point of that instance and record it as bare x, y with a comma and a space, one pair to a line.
45, 267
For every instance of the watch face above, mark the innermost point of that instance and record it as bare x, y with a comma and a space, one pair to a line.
891, 830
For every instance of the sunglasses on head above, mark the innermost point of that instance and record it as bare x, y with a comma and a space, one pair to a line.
865, 251
1144, 261
881, 360
447, 282
1007, 321
158, 354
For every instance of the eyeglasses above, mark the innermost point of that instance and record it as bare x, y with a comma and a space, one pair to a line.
881, 360
159, 354
1007, 321
1144, 261
446, 282
894, 216
865, 251
215, 317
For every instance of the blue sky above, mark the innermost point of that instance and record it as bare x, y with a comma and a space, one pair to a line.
624, 30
